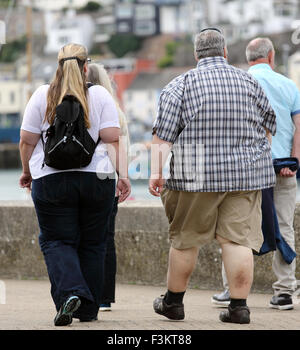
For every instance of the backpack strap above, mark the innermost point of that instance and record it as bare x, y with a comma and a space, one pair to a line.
42, 138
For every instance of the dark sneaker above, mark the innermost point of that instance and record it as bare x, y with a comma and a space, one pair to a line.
105, 307
90, 319
240, 314
222, 299
64, 315
172, 311
281, 302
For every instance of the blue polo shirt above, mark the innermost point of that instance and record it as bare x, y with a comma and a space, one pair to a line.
284, 98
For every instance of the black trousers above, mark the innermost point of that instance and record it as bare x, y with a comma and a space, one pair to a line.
73, 210
110, 266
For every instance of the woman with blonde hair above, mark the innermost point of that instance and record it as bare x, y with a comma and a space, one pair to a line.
98, 75
72, 205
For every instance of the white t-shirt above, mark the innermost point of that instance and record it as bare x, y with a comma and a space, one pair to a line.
102, 113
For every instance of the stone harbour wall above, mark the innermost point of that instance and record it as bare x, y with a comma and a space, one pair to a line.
142, 248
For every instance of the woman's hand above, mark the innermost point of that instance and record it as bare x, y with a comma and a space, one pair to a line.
123, 189
25, 180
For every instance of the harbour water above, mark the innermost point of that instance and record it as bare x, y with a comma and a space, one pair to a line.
10, 189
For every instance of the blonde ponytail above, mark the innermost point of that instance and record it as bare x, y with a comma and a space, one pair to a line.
70, 79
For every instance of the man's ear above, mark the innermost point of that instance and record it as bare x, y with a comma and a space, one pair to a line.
195, 55
85, 68
225, 52
271, 59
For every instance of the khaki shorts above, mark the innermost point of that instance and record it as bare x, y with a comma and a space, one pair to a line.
196, 218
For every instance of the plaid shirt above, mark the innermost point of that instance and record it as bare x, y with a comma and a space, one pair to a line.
215, 116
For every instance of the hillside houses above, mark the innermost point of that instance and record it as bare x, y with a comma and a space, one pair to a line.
137, 78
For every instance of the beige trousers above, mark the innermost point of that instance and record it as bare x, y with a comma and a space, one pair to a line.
285, 193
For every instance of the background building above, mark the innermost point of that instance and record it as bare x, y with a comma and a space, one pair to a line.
294, 68
138, 17
140, 101
58, 5
67, 28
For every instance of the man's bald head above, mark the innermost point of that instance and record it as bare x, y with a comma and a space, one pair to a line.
259, 48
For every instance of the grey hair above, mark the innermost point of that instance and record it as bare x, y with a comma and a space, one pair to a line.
209, 43
258, 48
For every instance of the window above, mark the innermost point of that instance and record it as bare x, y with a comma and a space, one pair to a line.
144, 12
123, 27
145, 28
124, 11
286, 9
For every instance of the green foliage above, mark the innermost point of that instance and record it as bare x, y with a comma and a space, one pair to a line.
171, 48
91, 6
5, 3
11, 51
121, 44
96, 50
166, 61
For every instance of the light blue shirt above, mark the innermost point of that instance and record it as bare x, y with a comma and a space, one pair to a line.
284, 97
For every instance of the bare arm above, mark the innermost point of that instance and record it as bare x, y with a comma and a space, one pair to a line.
28, 141
118, 155
296, 139
286, 172
109, 135
269, 135
160, 151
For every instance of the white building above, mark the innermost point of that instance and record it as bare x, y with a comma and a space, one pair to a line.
239, 19
182, 16
294, 68
68, 28
172, 18
57, 5
244, 19
105, 28
13, 99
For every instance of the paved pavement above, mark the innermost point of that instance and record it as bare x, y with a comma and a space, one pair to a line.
28, 306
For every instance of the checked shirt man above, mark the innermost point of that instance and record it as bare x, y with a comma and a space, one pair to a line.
215, 119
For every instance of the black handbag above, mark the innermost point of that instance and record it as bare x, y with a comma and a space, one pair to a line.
280, 163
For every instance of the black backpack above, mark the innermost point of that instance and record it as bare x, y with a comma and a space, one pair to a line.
68, 143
